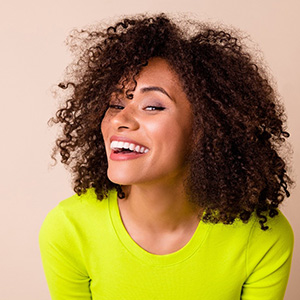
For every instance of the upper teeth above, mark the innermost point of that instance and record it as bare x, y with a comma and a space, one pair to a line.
125, 145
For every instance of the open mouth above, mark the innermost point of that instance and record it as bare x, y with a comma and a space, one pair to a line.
119, 147
123, 151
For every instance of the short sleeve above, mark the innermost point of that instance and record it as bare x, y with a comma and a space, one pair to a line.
268, 260
62, 258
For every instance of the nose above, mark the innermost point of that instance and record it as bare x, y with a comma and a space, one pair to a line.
125, 119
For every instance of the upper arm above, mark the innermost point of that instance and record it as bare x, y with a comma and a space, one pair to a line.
268, 260
62, 258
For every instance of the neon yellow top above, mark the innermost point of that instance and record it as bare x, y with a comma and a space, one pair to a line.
88, 254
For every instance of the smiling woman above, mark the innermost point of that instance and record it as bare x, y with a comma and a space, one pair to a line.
158, 110
173, 134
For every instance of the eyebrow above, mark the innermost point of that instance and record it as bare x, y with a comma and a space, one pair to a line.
155, 88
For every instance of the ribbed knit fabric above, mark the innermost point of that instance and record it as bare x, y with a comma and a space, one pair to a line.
88, 254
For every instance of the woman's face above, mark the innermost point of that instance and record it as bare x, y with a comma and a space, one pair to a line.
156, 124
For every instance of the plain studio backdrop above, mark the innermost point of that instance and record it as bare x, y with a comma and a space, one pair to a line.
33, 57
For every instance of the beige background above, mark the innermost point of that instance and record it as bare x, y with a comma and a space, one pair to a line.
33, 57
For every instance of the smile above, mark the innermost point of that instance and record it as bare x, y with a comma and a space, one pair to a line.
126, 147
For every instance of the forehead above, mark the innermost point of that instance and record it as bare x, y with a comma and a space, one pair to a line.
160, 78
159, 71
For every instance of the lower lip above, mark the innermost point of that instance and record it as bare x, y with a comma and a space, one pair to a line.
125, 156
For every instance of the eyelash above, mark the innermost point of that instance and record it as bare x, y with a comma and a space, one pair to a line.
115, 106
153, 108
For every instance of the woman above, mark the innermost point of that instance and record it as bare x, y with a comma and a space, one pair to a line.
177, 131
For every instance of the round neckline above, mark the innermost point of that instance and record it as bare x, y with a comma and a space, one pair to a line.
178, 256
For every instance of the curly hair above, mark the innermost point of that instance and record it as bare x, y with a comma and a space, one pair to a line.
238, 131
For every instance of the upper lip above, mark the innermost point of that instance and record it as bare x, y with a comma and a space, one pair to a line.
125, 139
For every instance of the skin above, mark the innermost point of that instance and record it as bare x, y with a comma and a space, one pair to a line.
156, 211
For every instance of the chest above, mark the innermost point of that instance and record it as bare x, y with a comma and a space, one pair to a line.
215, 271
200, 277
162, 244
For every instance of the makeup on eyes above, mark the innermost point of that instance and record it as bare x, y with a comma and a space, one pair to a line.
153, 108
150, 99
146, 103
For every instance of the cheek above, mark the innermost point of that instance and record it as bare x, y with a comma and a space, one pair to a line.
104, 126
170, 134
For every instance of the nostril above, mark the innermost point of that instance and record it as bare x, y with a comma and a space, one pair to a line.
123, 127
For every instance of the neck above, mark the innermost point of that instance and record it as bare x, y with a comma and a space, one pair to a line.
159, 208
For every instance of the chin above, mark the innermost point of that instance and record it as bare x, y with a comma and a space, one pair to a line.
119, 178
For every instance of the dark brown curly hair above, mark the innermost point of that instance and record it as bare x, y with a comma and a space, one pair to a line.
235, 166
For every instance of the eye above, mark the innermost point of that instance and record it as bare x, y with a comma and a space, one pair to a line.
151, 108
116, 106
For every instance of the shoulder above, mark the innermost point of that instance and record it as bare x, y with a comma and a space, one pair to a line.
73, 217
279, 231
78, 203
271, 247
252, 240
78, 206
